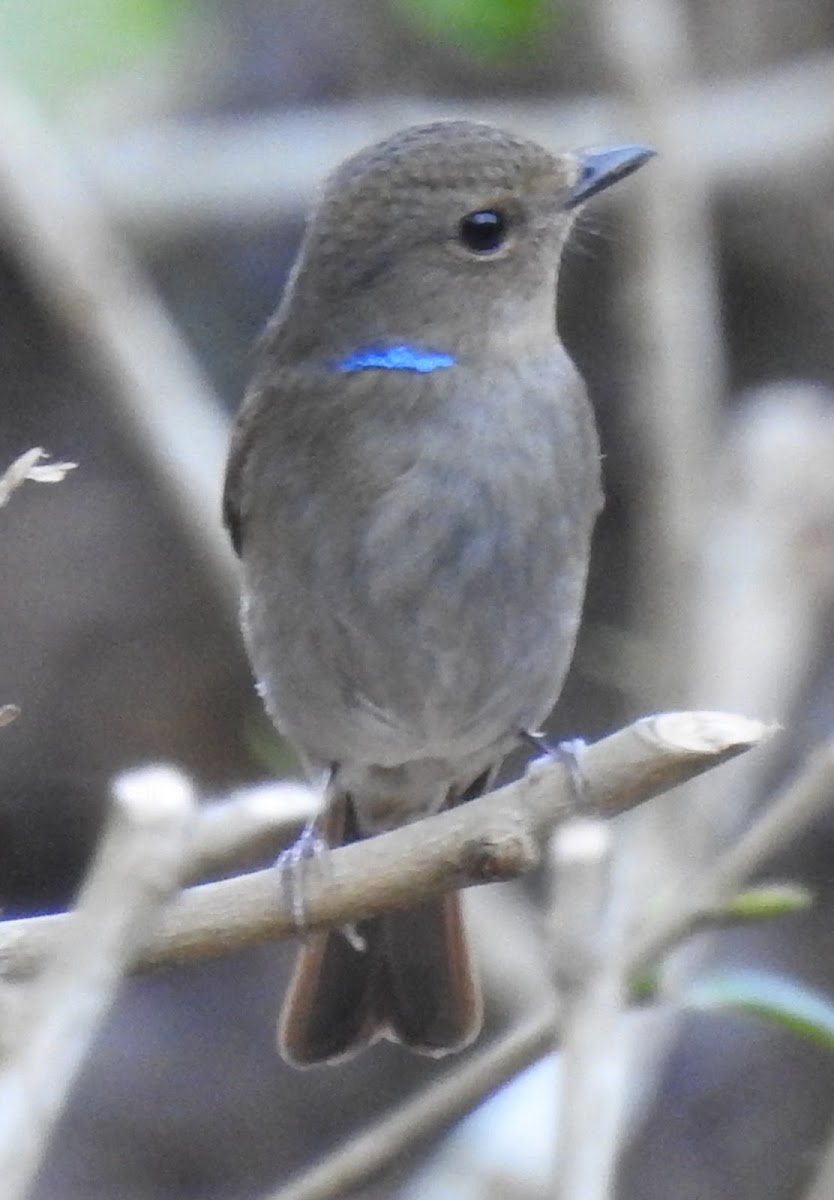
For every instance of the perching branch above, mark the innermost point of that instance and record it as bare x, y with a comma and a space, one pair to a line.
495, 837
368, 1153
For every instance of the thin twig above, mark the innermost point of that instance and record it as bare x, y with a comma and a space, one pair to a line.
588, 976
137, 866
792, 811
761, 620
674, 320
249, 825
822, 1184
170, 179
368, 1153
8, 713
31, 467
87, 278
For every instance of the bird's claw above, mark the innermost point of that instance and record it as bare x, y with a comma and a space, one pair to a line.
568, 753
293, 866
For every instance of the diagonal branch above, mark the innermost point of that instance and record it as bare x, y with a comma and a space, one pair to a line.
434, 1109
86, 277
495, 837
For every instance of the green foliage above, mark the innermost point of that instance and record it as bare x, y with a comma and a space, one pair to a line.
769, 900
773, 997
488, 29
56, 45
644, 987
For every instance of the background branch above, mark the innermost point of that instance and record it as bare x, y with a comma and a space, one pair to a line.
138, 864
794, 809
172, 178
88, 280
588, 976
368, 1154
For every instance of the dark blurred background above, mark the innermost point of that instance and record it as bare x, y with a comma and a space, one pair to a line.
120, 649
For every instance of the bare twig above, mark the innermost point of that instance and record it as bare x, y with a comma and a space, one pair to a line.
675, 324
505, 927
251, 824
86, 277
588, 975
792, 811
179, 176
8, 713
494, 837
137, 866
822, 1184
367, 1155
30, 466
768, 581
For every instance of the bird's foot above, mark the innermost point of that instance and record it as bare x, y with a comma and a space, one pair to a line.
309, 851
568, 753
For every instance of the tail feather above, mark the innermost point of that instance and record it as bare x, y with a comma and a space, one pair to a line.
430, 999
412, 980
327, 1013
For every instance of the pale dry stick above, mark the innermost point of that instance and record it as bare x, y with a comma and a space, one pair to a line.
427, 1115
800, 802
494, 837
168, 180
768, 579
674, 322
368, 1153
8, 713
31, 467
89, 282
28, 467
505, 927
671, 316
700, 901
137, 866
822, 1184
254, 822
588, 977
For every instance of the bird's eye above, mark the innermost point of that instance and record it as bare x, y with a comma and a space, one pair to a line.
484, 232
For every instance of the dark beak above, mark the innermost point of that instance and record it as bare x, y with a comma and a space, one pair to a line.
599, 169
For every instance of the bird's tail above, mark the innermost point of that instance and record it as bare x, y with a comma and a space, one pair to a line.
407, 976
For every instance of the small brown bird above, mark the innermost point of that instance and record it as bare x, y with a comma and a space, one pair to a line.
412, 488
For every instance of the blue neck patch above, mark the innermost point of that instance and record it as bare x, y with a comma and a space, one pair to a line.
396, 358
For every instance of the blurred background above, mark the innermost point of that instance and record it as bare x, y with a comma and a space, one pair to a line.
158, 158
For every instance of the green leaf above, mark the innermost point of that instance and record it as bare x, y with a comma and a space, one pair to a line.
488, 29
645, 986
769, 900
773, 997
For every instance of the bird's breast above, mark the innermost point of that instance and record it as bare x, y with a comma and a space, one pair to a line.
467, 573
426, 570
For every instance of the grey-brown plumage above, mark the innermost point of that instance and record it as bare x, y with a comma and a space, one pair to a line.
412, 489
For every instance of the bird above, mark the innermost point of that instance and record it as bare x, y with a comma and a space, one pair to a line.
412, 486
